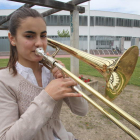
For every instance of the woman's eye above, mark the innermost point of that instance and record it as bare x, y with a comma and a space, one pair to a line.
29, 36
44, 36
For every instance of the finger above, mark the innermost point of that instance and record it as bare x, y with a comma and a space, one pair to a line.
67, 79
48, 54
70, 83
73, 95
72, 80
68, 90
59, 75
54, 70
66, 76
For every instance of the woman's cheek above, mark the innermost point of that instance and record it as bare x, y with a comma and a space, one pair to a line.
45, 46
28, 44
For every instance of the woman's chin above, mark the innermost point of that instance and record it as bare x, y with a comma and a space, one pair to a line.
38, 58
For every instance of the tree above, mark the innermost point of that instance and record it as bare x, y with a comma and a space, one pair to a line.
64, 33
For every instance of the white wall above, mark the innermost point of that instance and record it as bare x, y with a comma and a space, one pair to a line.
99, 30
4, 33
127, 44
113, 14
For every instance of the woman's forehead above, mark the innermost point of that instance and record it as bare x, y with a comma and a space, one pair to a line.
33, 24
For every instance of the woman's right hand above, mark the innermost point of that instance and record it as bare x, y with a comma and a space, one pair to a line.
61, 88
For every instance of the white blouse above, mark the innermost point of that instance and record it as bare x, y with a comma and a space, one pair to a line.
28, 74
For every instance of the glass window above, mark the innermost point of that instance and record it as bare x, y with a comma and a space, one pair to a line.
48, 20
68, 20
136, 23
61, 20
91, 21
96, 20
80, 20
85, 21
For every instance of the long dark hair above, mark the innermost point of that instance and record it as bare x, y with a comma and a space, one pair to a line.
14, 24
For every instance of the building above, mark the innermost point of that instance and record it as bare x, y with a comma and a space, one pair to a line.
107, 29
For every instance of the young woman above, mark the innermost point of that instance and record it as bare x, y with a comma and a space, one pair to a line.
30, 101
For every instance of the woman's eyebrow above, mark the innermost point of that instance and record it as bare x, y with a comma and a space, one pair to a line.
35, 32
30, 32
43, 32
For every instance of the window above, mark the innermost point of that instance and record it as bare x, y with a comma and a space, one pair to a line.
51, 20
119, 22
105, 21
68, 20
54, 20
127, 38
136, 23
61, 20
127, 23
91, 21
80, 20
83, 20
64, 20
124, 22
48, 20
99, 21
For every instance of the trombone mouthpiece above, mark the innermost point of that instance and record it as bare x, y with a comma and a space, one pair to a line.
39, 51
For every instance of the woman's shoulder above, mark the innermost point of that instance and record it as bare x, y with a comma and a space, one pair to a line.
6, 76
4, 72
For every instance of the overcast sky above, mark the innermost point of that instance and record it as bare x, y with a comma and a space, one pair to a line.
123, 6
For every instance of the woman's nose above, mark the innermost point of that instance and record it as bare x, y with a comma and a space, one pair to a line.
39, 42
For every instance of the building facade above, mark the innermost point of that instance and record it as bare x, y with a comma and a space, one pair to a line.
106, 28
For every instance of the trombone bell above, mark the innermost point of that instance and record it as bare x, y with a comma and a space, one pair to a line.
121, 73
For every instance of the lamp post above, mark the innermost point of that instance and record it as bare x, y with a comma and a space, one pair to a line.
88, 26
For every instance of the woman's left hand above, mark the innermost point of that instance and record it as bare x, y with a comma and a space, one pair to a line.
57, 73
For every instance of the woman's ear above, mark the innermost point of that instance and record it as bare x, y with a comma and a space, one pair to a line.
11, 39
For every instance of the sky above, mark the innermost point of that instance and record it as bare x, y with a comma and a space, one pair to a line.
122, 6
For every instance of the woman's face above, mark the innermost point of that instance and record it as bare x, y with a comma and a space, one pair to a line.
30, 35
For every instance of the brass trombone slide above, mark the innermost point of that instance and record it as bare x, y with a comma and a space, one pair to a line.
47, 60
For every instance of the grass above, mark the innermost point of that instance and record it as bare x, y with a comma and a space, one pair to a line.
3, 62
88, 70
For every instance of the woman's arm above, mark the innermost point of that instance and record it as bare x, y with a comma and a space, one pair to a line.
78, 105
25, 127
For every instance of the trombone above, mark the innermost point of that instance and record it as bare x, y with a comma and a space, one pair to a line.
116, 72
